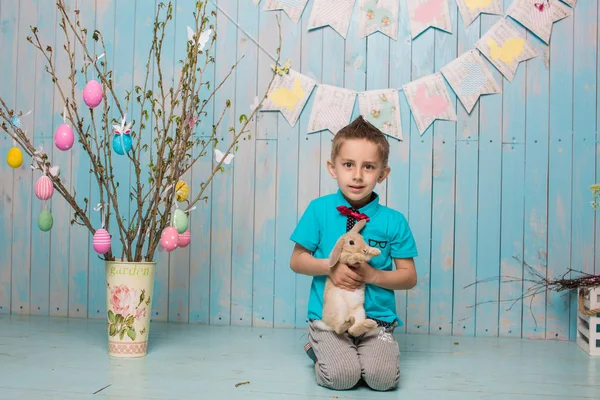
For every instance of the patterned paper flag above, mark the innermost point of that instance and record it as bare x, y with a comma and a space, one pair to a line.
571, 3
289, 94
382, 109
469, 77
539, 15
423, 14
332, 109
429, 100
470, 9
335, 13
505, 47
293, 8
378, 15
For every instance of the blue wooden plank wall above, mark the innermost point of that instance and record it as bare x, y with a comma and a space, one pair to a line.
506, 183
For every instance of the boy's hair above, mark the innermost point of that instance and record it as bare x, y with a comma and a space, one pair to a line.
360, 128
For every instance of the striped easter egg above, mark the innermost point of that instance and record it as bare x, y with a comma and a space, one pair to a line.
101, 241
44, 188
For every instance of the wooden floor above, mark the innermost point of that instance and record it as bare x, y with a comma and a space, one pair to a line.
42, 358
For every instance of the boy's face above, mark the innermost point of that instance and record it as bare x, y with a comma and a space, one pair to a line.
358, 168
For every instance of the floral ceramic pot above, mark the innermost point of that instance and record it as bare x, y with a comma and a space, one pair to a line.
129, 291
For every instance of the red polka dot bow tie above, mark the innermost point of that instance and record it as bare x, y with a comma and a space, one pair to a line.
350, 213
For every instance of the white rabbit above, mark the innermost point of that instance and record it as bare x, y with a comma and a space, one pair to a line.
344, 309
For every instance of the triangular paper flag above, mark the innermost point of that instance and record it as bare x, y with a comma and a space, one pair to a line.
332, 109
429, 100
289, 94
505, 47
378, 15
571, 3
470, 9
293, 8
423, 14
470, 77
335, 13
382, 109
539, 15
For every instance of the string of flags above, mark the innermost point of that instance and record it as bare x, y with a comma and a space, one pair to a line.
469, 76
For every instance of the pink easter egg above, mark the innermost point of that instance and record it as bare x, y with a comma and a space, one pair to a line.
92, 93
169, 239
63, 137
101, 241
185, 238
44, 188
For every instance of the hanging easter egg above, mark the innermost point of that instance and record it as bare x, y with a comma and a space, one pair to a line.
169, 239
14, 158
44, 188
122, 144
101, 241
92, 93
45, 221
180, 221
182, 190
185, 238
63, 137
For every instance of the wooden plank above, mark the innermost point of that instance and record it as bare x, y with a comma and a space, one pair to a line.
222, 184
264, 233
60, 259
40, 241
287, 189
559, 174
489, 202
584, 154
536, 187
421, 148
443, 176
310, 149
398, 182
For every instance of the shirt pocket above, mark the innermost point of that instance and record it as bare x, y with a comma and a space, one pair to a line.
382, 244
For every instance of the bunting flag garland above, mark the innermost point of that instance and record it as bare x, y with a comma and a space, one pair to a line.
378, 15
293, 8
429, 100
571, 3
289, 94
471, 9
505, 47
335, 13
469, 77
423, 14
332, 109
538, 16
382, 109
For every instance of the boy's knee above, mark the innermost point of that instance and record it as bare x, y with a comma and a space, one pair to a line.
383, 377
339, 377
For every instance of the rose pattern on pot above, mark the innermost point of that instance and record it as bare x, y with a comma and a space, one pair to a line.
126, 307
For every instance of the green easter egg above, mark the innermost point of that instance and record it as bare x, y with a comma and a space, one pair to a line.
180, 221
45, 221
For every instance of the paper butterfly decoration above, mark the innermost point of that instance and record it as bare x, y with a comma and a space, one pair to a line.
282, 70
204, 36
219, 156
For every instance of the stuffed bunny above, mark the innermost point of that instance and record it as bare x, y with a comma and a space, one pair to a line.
343, 309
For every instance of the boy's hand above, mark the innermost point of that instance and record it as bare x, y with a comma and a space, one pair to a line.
345, 277
367, 273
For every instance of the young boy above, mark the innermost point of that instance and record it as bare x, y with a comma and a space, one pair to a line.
359, 157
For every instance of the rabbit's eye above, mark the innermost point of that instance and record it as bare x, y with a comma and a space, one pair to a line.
351, 243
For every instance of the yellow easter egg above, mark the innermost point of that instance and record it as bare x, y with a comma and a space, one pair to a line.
14, 158
182, 190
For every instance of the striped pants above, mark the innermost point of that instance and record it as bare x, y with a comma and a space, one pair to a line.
342, 360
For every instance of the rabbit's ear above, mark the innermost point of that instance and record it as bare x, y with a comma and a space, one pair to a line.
335, 254
358, 226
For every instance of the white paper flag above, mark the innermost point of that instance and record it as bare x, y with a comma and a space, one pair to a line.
289, 94
382, 109
429, 100
469, 77
332, 109
335, 13
378, 15
470, 9
505, 47
293, 8
538, 15
423, 14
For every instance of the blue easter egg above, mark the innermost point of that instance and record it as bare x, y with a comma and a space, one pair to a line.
120, 142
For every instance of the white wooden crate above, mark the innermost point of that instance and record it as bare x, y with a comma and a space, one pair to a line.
588, 327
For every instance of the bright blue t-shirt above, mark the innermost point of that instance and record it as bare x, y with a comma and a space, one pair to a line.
322, 224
